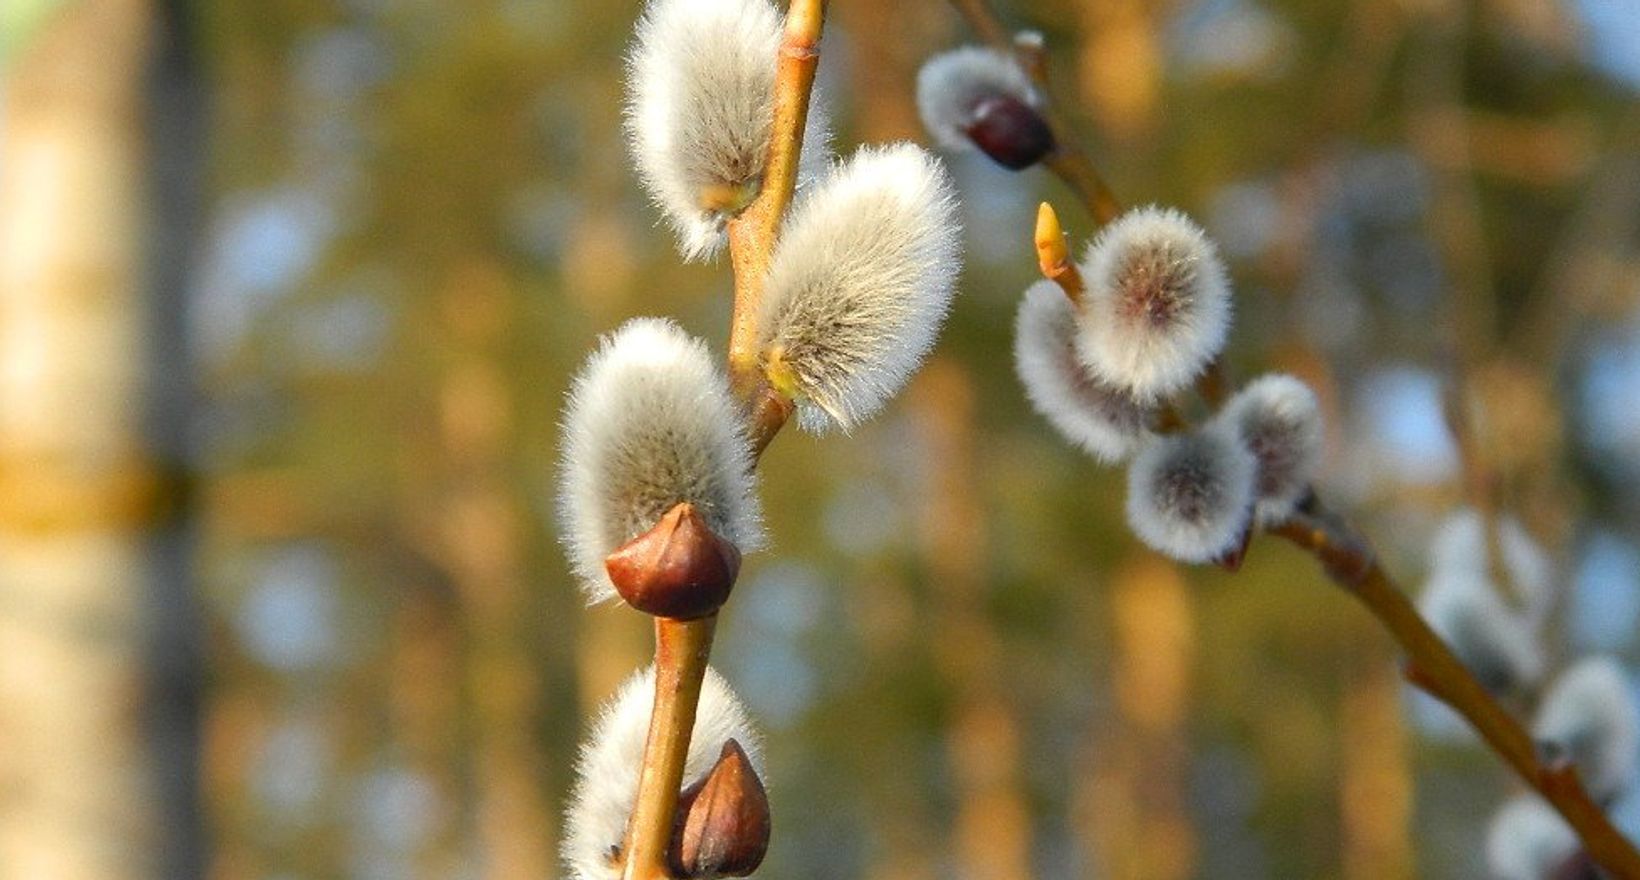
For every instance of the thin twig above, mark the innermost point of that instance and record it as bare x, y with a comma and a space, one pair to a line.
682, 648
1350, 561
1431, 665
1069, 160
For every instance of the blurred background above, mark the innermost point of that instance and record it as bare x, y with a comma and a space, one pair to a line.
290, 292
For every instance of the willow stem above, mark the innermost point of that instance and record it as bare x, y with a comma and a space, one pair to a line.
1073, 166
752, 234
682, 648
1432, 666
681, 651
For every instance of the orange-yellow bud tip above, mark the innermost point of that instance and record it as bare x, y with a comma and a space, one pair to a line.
1051, 252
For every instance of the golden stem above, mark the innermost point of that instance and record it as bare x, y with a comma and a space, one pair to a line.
681, 651
983, 21
752, 234
682, 648
1432, 667
1075, 168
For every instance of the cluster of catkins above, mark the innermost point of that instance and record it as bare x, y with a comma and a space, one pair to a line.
657, 499
1152, 318
1586, 716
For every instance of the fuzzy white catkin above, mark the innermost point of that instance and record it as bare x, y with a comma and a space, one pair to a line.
606, 782
1496, 643
1589, 712
1158, 302
950, 84
1460, 544
1190, 495
1278, 419
650, 424
700, 104
860, 282
1102, 420
1528, 840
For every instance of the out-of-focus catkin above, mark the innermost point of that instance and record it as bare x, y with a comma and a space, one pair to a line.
1158, 303
1190, 495
1103, 421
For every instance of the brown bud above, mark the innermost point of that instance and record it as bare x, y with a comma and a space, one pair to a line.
1010, 131
723, 821
679, 569
1232, 559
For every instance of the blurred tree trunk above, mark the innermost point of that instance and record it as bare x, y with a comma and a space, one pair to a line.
483, 549
992, 837
1375, 782
77, 492
1135, 797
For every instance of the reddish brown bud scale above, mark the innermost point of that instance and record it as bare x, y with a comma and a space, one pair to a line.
1577, 867
1232, 559
679, 569
1010, 131
723, 821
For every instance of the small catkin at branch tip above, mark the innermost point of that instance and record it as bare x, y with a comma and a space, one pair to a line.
980, 98
612, 756
650, 424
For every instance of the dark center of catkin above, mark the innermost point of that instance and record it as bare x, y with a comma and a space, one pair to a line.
1188, 489
1270, 445
1152, 286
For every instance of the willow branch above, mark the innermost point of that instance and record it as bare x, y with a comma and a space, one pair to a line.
752, 234
682, 648
1069, 160
1431, 665
1350, 562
